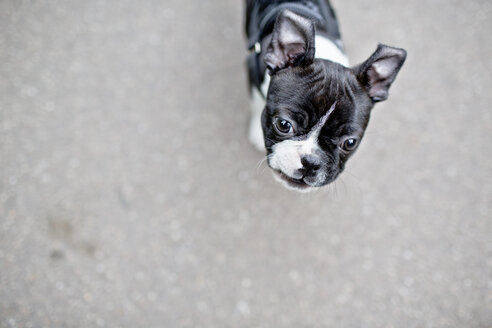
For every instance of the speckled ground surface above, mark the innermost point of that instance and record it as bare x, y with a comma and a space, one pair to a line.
130, 197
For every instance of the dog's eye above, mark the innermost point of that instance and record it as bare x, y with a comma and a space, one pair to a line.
282, 125
349, 144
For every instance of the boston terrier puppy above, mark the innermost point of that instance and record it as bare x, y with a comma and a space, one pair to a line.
310, 109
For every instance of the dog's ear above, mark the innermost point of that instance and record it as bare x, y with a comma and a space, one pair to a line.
292, 42
378, 72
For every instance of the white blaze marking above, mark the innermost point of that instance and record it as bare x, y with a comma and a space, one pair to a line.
286, 155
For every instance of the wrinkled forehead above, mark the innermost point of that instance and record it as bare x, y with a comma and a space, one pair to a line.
314, 88
297, 80
298, 91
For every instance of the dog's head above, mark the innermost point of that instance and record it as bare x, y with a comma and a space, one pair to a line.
317, 110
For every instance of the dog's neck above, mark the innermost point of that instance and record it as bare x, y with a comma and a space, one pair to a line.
326, 49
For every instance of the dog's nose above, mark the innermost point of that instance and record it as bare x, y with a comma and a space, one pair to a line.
310, 165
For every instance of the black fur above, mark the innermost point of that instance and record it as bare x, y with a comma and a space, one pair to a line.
304, 95
303, 89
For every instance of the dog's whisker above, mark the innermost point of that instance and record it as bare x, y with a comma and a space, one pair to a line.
260, 163
265, 160
352, 175
336, 187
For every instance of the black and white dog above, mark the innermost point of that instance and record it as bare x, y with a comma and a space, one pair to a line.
310, 109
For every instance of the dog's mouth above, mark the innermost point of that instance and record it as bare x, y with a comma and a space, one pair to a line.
292, 183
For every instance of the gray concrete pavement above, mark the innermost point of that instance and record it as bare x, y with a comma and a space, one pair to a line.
130, 197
